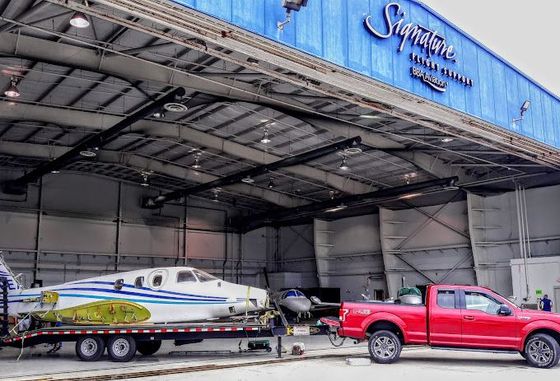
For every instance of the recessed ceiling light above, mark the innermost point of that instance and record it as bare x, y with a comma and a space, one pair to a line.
79, 20
175, 107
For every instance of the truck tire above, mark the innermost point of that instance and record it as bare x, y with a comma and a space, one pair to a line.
121, 348
542, 351
384, 347
90, 348
148, 348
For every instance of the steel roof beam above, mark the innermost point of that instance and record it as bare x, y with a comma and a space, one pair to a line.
18, 186
97, 120
372, 198
156, 202
138, 162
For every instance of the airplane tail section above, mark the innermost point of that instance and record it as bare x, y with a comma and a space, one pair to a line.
8, 275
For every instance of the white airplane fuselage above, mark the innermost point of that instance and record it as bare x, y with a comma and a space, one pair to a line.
170, 295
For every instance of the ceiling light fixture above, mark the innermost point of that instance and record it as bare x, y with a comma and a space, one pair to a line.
175, 107
370, 116
196, 164
265, 139
447, 140
271, 184
79, 20
216, 192
12, 91
145, 177
55, 171
337, 208
409, 196
159, 115
344, 164
88, 153
248, 180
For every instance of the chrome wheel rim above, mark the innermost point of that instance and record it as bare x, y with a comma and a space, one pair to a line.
89, 347
384, 347
121, 347
540, 352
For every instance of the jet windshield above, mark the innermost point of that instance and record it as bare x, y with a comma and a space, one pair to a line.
293, 294
204, 276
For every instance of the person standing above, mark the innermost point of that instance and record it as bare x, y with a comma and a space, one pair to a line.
546, 304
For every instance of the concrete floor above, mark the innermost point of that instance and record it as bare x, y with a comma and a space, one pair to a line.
420, 363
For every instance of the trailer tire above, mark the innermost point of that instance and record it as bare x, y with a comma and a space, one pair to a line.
121, 348
384, 347
90, 348
148, 348
542, 351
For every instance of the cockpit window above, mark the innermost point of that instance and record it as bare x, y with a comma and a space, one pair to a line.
291, 294
185, 276
299, 293
204, 276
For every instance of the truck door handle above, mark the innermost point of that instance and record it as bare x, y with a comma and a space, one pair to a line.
468, 317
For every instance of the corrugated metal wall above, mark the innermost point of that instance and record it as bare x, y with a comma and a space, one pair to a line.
333, 30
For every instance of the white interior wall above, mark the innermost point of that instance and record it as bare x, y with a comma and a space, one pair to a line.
349, 255
80, 227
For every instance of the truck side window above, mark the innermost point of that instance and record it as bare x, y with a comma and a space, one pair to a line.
481, 302
446, 298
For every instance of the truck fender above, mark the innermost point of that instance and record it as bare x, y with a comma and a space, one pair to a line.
535, 326
384, 316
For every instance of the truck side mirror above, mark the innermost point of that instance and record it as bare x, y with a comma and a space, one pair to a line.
504, 310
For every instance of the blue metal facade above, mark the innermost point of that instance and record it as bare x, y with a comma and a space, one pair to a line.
334, 30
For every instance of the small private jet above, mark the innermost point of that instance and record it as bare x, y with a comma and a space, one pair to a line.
159, 295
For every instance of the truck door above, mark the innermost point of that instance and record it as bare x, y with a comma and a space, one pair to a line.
484, 326
445, 318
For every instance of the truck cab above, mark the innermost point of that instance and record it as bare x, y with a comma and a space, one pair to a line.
457, 317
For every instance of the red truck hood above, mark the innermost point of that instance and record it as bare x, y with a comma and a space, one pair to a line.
541, 315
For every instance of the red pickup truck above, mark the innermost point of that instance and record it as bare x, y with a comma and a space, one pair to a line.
457, 317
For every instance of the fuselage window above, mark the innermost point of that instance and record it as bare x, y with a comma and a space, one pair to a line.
119, 284
157, 280
185, 276
139, 282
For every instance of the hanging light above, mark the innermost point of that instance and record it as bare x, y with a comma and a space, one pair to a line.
13, 91
55, 171
265, 139
248, 180
196, 164
159, 115
271, 184
344, 164
79, 20
337, 208
88, 153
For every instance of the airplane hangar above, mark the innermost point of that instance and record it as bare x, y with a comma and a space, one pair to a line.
345, 147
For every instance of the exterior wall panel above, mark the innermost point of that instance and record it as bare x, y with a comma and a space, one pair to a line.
333, 30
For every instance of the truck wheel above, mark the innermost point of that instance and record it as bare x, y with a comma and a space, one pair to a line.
90, 348
148, 348
384, 347
121, 348
542, 351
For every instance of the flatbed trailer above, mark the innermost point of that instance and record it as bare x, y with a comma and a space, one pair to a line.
123, 341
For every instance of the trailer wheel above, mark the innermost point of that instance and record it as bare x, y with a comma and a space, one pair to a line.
384, 347
148, 348
121, 348
90, 348
542, 351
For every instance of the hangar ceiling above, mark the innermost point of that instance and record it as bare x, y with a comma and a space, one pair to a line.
77, 82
